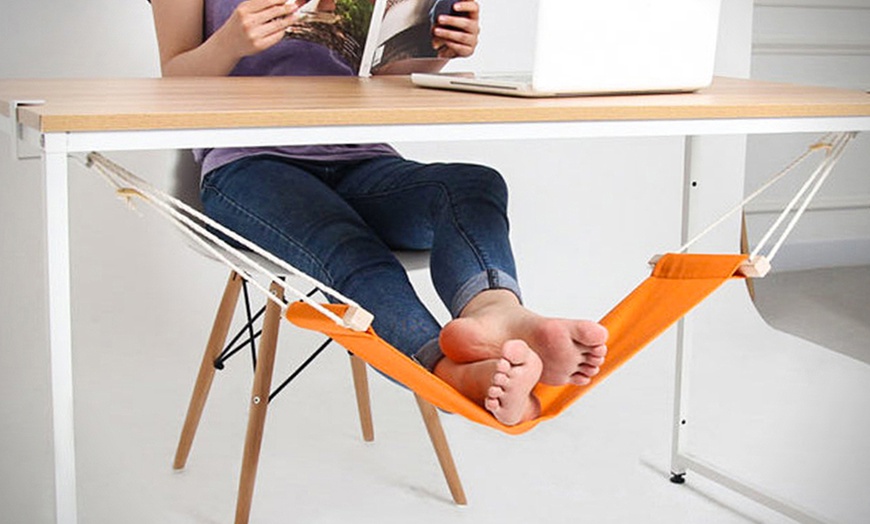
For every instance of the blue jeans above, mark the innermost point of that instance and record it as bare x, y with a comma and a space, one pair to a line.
340, 221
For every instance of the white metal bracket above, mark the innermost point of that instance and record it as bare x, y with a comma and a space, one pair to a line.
17, 131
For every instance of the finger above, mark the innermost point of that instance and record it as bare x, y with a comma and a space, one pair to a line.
454, 34
459, 24
441, 49
262, 33
283, 11
267, 35
273, 26
268, 10
274, 30
259, 5
454, 49
471, 9
269, 40
449, 35
448, 52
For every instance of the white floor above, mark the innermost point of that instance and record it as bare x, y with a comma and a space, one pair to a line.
607, 460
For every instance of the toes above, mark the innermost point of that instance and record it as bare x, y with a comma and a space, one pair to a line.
501, 380
597, 351
589, 371
579, 379
589, 334
495, 393
516, 352
503, 366
518, 359
508, 396
492, 405
583, 376
593, 361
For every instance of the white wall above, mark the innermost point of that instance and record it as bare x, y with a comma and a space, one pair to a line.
616, 203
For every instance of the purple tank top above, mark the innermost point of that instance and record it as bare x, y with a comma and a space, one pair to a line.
289, 57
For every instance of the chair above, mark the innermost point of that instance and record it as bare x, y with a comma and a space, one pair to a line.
218, 350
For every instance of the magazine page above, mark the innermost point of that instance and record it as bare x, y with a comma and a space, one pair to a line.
341, 25
403, 43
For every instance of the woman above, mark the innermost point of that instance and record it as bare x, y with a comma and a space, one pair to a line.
338, 211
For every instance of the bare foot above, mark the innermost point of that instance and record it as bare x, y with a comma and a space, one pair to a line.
510, 397
502, 385
571, 350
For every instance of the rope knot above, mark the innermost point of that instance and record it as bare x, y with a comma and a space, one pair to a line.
127, 194
821, 145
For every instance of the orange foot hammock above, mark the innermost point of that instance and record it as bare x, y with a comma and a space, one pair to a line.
678, 282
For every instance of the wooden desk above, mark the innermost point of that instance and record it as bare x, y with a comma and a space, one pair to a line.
76, 106
59, 117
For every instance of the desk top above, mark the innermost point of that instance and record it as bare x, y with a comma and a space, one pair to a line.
80, 105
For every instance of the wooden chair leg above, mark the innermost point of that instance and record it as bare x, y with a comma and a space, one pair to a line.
442, 450
363, 399
259, 405
216, 342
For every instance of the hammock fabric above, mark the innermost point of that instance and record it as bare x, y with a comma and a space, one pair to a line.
678, 283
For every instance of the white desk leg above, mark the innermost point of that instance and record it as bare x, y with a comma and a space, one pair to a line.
60, 326
708, 181
679, 431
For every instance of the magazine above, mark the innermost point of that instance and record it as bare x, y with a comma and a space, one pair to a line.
374, 36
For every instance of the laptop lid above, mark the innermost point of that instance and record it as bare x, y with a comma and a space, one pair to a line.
613, 46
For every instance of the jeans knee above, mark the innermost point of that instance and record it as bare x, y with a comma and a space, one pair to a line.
483, 182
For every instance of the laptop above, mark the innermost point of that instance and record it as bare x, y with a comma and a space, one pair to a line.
586, 47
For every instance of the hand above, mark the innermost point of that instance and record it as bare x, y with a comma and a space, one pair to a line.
456, 36
256, 25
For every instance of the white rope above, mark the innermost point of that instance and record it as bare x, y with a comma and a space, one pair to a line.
179, 214
806, 185
192, 230
786, 170
833, 157
827, 143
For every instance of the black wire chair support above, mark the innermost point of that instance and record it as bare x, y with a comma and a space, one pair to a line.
235, 344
